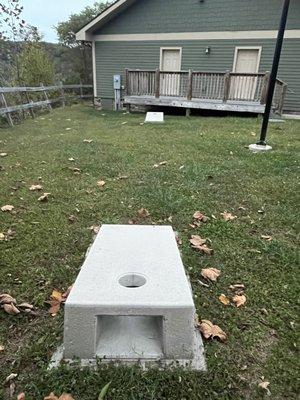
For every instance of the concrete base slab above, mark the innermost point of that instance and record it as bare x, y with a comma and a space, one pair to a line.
256, 148
197, 363
155, 117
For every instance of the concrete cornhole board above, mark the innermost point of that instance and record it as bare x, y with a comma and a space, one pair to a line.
155, 117
132, 302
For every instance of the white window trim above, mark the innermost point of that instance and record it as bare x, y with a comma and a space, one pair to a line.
237, 48
162, 49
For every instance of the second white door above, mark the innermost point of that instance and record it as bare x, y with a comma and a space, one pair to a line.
170, 62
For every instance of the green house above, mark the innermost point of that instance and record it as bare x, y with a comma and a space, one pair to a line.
212, 54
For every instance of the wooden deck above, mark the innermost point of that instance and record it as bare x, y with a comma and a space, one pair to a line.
218, 91
194, 103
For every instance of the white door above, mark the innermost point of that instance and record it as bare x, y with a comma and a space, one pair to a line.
246, 61
170, 61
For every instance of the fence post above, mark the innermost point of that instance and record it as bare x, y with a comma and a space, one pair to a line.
81, 91
28, 101
190, 85
263, 97
226, 86
8, 116
157, 83
46, 96
282, 98
62, 94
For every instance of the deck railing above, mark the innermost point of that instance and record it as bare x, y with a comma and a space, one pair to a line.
191, 85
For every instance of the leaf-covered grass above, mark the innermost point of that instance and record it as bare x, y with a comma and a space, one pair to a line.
218, 174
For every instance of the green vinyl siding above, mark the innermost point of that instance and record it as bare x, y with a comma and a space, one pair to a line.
154, 16
113, 57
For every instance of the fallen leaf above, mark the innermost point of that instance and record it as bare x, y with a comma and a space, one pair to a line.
124, 123
239, 300
199, 244
51, 397
68, 129
143, 213
200, 217
3, 154
6, 298
33, 188
71, 159
72, 219
26, 306
178, 239
88, 141
2, 347
238, 286
44, 197
265, 385
267, 238
241, 208
160, 164
209, 330
223, 299
21, 396
11, 309
101, 183
228, 216
104, 391
95, 229
10, 377
66, 294
2, 236
211, 273
7, 208
66, 396
122, 177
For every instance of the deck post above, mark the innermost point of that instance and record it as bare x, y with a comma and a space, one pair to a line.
190, 85
264, 91
282, 98
226, 86
127, 82
157, 83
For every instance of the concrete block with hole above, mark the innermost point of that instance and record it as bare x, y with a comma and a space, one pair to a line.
132, 301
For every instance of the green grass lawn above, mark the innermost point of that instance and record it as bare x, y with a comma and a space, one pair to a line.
209, 169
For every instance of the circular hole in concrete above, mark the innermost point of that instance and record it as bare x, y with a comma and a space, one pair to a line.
132, 281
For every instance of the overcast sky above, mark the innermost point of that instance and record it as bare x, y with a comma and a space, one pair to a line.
46, 13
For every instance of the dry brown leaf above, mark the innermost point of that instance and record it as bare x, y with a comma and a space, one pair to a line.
7, 208
143, 213
2, 236
224, 300
228, 216
211, 273
26, 306
51, 397
101, 183
122, 177
238, 286
44, 197
10, 377
200, 217
2, 347
88, 141
66, 396
9, 235
34, 188
75, 170
209, 330
178, 239
6, 298
66, 293
72, 219
3, 154
267, 238
199, 244
160, 164
11, 309
239, 300
71, 159
265, 385
95, 229
21, 396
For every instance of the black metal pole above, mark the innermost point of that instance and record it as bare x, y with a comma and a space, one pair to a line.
273, 76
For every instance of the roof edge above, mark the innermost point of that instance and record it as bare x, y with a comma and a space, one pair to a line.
85, 33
